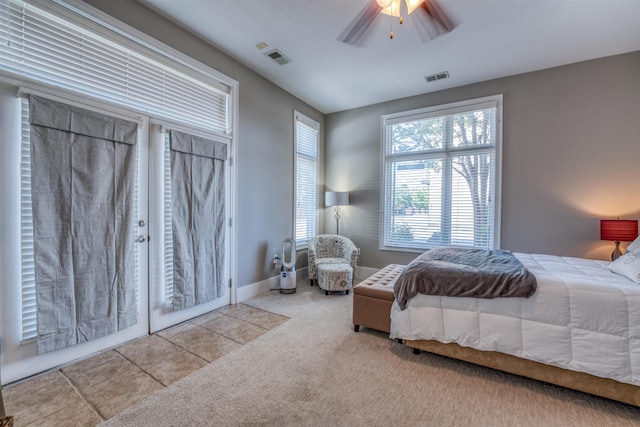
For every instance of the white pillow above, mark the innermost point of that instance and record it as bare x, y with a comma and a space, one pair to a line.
634, 246
628, 265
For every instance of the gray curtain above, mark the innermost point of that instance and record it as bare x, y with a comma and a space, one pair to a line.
82, 181
198, 219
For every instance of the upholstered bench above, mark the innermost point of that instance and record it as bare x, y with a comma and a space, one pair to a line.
335, 277
373, 297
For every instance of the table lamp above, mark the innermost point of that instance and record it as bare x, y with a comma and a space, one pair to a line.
618, 230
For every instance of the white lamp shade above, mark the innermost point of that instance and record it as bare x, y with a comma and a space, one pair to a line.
336, 198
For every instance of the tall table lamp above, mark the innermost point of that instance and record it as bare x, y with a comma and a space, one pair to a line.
337, 199
618, 230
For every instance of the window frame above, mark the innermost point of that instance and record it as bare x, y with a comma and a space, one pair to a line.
494, 101
310, 232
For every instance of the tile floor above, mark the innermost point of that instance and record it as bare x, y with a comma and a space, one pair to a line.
95, 389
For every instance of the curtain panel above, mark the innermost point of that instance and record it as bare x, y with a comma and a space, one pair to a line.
198, 218
83, 167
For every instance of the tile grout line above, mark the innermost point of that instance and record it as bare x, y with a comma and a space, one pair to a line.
218, 333
251, 323
182, 348
140, 367
189, 351
84, 399
255, 324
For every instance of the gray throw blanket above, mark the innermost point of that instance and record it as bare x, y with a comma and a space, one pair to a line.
462, 272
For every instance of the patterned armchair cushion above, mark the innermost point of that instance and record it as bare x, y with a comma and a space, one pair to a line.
330, 248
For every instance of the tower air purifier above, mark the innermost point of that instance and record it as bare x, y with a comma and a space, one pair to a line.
288, 270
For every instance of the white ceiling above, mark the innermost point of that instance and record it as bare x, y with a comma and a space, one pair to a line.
492, 38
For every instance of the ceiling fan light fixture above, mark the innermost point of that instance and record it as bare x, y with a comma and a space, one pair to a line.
392, 7
384, 3
412, 5
430, 23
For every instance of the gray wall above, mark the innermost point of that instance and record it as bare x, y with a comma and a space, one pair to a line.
571, 150
264, 215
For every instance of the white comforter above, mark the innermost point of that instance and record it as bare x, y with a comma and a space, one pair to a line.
582, 317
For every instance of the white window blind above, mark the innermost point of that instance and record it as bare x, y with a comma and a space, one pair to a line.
440, 174
26, 231
306, 198
98, 62
168, 231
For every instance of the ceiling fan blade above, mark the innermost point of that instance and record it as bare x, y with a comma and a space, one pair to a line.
431, 21
360, 24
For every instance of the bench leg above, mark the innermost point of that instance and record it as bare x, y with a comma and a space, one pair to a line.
326, 292
416, 351
356, 328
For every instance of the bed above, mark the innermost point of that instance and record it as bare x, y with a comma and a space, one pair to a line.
580, 329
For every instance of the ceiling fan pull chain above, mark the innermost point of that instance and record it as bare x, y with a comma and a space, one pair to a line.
391, 23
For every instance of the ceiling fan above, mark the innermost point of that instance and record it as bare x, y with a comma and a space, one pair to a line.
426, 16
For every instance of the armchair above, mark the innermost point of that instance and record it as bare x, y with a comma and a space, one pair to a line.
330, 249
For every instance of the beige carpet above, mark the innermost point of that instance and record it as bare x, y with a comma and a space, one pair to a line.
313, 370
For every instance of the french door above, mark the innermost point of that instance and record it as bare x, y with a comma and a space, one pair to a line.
162, 314
19, 356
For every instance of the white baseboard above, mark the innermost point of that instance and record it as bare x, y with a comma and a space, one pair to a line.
255, 289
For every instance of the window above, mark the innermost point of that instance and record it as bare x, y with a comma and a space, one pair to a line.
87, 57
306, 201
441, 176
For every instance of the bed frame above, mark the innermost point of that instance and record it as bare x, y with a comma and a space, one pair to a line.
372, 300
580, 381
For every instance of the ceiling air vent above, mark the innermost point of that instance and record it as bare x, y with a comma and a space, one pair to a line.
278, 56
437, 76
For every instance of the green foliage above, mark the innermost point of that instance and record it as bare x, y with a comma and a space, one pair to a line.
403, 199
422, 199
406, 199
401, 233
419, 135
